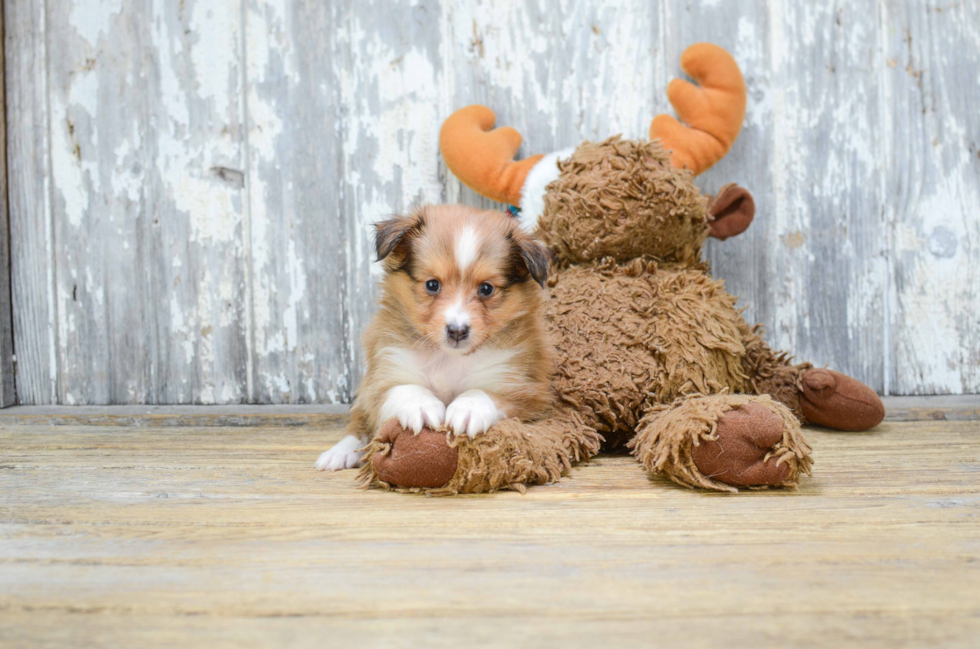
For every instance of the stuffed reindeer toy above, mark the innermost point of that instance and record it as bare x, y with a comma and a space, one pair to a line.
651, 351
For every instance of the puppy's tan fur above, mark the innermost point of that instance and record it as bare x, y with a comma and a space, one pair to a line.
506, 354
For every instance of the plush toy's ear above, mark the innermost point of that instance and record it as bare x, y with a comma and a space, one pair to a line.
730, 211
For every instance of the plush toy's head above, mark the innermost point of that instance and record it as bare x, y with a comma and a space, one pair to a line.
619, 198
623, 199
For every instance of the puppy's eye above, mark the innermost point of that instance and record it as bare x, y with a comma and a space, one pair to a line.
485, 290
433, 286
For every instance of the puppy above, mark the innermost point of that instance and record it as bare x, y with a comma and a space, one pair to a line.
459, 340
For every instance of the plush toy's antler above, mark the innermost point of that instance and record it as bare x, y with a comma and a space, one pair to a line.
483, 158
714, 111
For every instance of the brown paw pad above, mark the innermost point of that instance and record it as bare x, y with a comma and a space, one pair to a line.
837, 401
423, 460
745, 435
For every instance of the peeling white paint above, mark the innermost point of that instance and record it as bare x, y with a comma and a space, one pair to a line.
74, 160
297, 294
214, 55
93, 20
125, 182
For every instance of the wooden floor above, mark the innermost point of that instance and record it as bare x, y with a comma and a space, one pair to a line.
125, 528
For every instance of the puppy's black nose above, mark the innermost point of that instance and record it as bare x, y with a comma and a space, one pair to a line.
458, 332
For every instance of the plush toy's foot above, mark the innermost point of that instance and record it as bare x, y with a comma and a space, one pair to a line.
408, 460
510, 455
724, 441
835, 400
741, 452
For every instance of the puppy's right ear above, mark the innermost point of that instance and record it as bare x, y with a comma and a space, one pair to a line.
390, 234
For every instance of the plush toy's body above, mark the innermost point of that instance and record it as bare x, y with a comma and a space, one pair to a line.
652, 352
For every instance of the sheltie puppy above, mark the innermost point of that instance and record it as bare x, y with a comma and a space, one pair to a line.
459, 340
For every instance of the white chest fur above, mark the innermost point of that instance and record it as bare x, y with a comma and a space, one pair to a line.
449, 375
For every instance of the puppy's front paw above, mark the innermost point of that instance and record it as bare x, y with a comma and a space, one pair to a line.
472, 413
414, 407
345, 454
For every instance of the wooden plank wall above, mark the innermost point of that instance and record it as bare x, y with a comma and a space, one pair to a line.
192, 183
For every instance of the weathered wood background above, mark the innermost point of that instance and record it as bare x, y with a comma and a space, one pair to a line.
192, 183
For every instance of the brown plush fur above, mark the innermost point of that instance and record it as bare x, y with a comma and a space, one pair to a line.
632, 335
771, 372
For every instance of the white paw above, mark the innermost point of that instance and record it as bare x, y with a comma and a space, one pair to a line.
472, 413
414, 406
345, 454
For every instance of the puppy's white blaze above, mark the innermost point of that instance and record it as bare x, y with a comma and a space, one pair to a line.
466, 247
456, 314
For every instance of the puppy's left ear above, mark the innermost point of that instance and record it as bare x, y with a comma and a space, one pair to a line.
533, 258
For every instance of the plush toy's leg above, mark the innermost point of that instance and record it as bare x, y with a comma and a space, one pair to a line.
722, 442
771, 372
510, 455
815, 395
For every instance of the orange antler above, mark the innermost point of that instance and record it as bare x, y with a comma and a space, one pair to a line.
714, 111
483, 158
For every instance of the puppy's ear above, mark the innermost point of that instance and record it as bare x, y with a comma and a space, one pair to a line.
531, 259
390, 234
